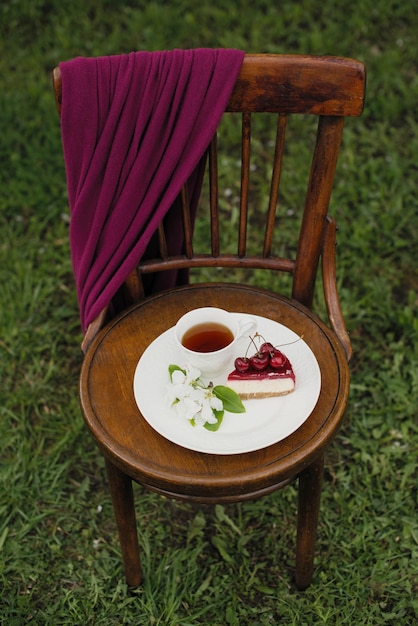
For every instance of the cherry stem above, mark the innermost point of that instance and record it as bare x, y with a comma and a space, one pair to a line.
289, 343
254, 344
252, 341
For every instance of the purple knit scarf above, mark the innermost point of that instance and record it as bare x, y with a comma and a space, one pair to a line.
134, 130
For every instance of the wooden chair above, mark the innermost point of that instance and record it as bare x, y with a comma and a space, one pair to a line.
329, 88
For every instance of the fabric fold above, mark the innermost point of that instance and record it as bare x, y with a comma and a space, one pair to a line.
134, 129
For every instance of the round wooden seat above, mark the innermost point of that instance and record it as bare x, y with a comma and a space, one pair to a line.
131, 444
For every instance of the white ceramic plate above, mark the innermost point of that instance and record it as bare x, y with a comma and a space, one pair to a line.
265, 421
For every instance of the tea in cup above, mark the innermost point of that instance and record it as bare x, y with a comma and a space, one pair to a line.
207, 337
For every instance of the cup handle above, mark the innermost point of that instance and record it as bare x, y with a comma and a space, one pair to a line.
246, 327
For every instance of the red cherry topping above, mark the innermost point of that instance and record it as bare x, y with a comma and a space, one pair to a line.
265, 356
242, 364
277, 360
260, 361
266, 347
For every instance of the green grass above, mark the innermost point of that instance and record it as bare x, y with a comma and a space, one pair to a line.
59, 554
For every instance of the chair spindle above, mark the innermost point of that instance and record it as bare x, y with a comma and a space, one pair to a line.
214, 196
275, 182
245, 177
162, 242
187, 222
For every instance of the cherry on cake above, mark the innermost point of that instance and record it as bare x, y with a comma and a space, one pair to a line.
266, 374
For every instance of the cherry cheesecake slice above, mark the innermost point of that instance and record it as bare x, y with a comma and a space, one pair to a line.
266, 374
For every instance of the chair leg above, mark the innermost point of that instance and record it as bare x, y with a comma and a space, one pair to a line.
121, 491
310, 485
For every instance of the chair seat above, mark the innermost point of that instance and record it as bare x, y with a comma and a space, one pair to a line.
131, 444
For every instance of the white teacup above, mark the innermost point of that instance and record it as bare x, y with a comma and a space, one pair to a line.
207, 337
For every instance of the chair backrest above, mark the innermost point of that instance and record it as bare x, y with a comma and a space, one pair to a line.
327, 87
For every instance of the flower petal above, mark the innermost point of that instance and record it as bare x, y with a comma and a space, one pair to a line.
178, 377
216, 403
192, 373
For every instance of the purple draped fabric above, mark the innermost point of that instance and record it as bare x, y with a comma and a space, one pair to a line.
134, 130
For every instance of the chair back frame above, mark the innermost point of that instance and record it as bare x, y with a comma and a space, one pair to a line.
328, 87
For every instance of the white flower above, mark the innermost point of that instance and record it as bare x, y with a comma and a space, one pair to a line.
216, 403
207, 414
191, 399
187, 408
192, 374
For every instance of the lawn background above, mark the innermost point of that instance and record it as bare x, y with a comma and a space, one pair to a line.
59, 554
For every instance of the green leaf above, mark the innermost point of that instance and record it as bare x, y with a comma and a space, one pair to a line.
214, 427
224, 518
172, 368
231, 400
196, 527
222, 548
